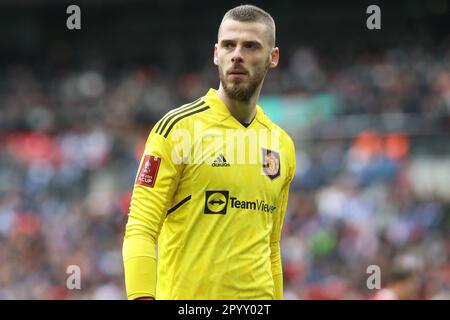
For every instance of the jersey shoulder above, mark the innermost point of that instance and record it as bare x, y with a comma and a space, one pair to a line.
285, 138
181, 117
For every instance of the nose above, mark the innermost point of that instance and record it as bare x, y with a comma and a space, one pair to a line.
237, 55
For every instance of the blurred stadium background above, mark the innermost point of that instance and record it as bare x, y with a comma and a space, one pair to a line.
369, 112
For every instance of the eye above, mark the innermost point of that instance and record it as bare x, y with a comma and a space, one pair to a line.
227, 45
252, 45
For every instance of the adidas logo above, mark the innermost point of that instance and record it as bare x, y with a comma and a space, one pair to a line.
220, 162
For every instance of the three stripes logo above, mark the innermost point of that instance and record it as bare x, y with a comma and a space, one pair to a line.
172, 117
220, 162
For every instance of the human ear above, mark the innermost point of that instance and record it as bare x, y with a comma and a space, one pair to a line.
215, 54
274, 57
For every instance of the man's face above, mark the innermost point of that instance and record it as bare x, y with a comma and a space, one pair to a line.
243, 55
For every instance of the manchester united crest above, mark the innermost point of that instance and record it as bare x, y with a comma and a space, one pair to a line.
271, 163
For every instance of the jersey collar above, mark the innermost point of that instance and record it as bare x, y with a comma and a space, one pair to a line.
215, 102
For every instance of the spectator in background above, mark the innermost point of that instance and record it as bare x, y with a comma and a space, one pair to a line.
400, 285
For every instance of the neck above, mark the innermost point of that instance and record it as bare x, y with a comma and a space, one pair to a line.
243, 111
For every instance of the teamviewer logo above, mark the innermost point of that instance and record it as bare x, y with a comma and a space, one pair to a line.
216, 202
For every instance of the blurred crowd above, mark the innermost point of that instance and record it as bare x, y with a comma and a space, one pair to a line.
71, 139
356, 209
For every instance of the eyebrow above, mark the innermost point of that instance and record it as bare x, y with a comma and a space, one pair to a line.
226, 41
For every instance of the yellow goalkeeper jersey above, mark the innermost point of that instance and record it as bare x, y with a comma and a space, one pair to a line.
208, 206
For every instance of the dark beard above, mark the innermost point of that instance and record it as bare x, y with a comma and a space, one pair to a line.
239, 93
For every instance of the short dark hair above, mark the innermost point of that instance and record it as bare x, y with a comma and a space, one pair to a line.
251, 13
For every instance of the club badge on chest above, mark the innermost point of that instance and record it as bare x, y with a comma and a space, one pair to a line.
270, 163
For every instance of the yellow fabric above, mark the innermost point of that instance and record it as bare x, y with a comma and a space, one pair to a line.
278, 282
223, 242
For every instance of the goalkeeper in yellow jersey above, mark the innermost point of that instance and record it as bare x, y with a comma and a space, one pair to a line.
212, 187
